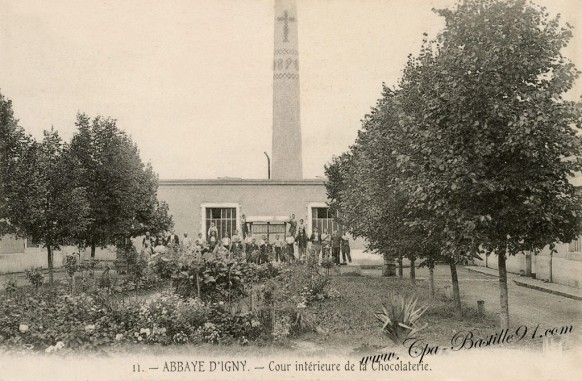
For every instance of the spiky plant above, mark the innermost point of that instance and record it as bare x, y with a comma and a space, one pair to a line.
400, 317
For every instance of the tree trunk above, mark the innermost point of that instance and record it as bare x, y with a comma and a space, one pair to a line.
431, 280
50, 265
503, 297
400, 267
455, 280
92, 249
412, 272
388, 268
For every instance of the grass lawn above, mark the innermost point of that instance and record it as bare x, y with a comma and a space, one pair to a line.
350, 320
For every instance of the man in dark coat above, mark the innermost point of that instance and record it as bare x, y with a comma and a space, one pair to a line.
251, 249
172, 239
336, 244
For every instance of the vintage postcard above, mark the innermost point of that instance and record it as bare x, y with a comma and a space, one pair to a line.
290, 189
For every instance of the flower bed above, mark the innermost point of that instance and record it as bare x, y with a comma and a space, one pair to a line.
217, 301
86, 322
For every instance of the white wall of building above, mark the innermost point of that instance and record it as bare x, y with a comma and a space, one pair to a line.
565, 265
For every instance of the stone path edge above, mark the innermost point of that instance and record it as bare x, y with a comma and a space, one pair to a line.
548, 290
529, 285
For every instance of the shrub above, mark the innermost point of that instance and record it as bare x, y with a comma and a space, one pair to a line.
317, 287
136, 264
234, 326
108, 280
400, 317
170, 315
302, 280
11, 287
259, 273
220, 280
208, 333
71, 264
282, 329
165, 265
312, 258
302, 320
35, 277
327, 263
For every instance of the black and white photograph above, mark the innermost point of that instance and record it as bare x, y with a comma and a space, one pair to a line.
290, 190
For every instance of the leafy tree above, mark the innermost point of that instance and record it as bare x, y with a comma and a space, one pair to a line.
122, 190
494, 143
40, 194
55, 206
161, 220
59, 208
15, 149
364, 185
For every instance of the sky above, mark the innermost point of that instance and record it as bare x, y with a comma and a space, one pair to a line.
191, 81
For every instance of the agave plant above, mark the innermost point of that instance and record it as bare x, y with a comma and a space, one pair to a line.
400, 317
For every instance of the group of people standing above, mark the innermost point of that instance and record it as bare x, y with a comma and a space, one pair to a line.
333, 244
158, 244
245, 246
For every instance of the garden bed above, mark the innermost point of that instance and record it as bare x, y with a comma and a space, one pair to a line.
204, 302
225, 304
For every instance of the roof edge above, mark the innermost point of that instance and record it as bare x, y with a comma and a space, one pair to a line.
233, 181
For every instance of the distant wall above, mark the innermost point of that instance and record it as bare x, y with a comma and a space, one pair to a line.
11, 245
16, 256
11, 263
565, 265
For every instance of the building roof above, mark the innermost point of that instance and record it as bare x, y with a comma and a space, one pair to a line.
575, 180
236, 181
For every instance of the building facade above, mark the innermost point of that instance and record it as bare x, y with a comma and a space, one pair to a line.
267, 205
